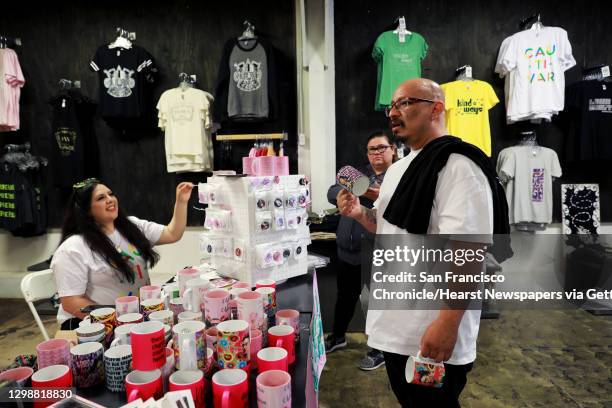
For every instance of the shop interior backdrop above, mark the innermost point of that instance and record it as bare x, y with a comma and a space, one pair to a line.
60, 38
460, 33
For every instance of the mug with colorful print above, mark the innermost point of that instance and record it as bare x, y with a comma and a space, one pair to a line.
108, 317
233, 344
425, 371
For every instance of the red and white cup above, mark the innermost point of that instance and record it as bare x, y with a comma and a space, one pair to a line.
129, 318
191, 380
274, 389
272, 358
148, 346
150, 292
216, 306
256, 345
424, 371
265, 283
53, 352
251, 309
21, 375
127, 304
144, 385
283, 336
55, 376
230, 388
185, 275
289, 317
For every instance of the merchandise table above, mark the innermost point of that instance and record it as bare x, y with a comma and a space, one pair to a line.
295, 293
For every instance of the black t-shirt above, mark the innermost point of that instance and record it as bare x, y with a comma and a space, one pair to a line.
125, 78
589, 104
75, 148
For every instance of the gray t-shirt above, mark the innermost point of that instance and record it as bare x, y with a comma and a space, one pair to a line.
527, 173
248, 85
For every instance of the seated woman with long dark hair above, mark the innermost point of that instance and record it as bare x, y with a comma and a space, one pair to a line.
105, 254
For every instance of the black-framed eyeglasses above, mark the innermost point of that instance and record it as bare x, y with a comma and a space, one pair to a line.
403, 103
379, 149
85, 183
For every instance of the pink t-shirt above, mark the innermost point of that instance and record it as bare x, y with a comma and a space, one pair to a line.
11, 81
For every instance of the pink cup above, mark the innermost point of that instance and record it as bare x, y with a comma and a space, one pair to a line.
273, 389
264, 166
230, 388
127, 304
21, 375
53, 352
291, 318
216, 307
185, 275
247, 165
150, 292
281, 166
283, 336
272, 358
265, 283
241, 285
251, 309
256, 345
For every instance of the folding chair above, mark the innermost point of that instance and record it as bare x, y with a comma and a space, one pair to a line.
37, 286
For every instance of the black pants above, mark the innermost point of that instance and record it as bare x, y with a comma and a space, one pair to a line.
410, 395
349, 287
71, 324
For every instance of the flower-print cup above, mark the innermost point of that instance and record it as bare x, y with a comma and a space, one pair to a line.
87, 364
233, 344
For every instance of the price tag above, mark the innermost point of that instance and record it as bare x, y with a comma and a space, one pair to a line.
63, 103
605, 71
118, 52
402, 37
468, 72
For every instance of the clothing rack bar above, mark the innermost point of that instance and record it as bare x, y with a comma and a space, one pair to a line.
253, 136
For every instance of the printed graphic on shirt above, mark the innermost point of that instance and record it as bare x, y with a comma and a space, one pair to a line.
247, 75
119, 82
537, 185
7, 202
540, 63
471, 106
601, 105
66, 140
182, 114
130, 258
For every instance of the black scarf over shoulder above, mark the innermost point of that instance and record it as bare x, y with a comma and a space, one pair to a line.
411, 203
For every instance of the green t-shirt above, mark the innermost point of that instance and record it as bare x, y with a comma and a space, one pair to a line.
397, 62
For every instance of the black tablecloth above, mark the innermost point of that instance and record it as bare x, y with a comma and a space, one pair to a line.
295, 293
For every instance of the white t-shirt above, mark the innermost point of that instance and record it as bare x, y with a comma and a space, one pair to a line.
527, 173
535, 62
463, 204
79, 271
185, 115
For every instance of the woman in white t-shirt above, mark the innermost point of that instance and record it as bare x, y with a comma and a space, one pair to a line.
105, 254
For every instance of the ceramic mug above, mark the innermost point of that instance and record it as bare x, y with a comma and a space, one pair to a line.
51, 377
283, 336
176, 305
117, 365
269, 302
87, 364
108, 317
92, 332
251, 309
148, 346
233, 344
264, 166
274, 389
189, 345
230, 388
150, 292
216, 306
353, 180
151, 305
130, 318
265, 283
191, 380
193, 297
164, 316
272, 358
187, 316
127, 304
256, 345
122, 335
424, 371
281, 166
247, 165
144, 385
233, 303
291, 318
53, 352
185, 275
20, 375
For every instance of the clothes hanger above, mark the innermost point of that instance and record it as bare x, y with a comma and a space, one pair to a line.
401, 30
464, 73
124, 39
248, 33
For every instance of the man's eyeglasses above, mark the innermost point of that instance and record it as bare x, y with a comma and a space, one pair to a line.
85, 183
403, 103
380, 149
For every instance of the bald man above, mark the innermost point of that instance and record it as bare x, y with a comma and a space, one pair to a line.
456, 200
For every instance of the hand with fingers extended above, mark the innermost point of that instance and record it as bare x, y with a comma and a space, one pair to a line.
348, 204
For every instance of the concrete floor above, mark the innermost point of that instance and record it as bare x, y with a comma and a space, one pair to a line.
525, 359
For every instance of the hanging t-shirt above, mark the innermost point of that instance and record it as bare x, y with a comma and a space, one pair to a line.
248, 85
467, 111
125, 76
397, 62
184, 115
463, 205
75, 148
527, 172
80, 271
539, 58
589, 104
11, 82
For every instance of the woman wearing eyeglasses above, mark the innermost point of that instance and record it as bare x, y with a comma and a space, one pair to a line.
105, 254
381, 153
